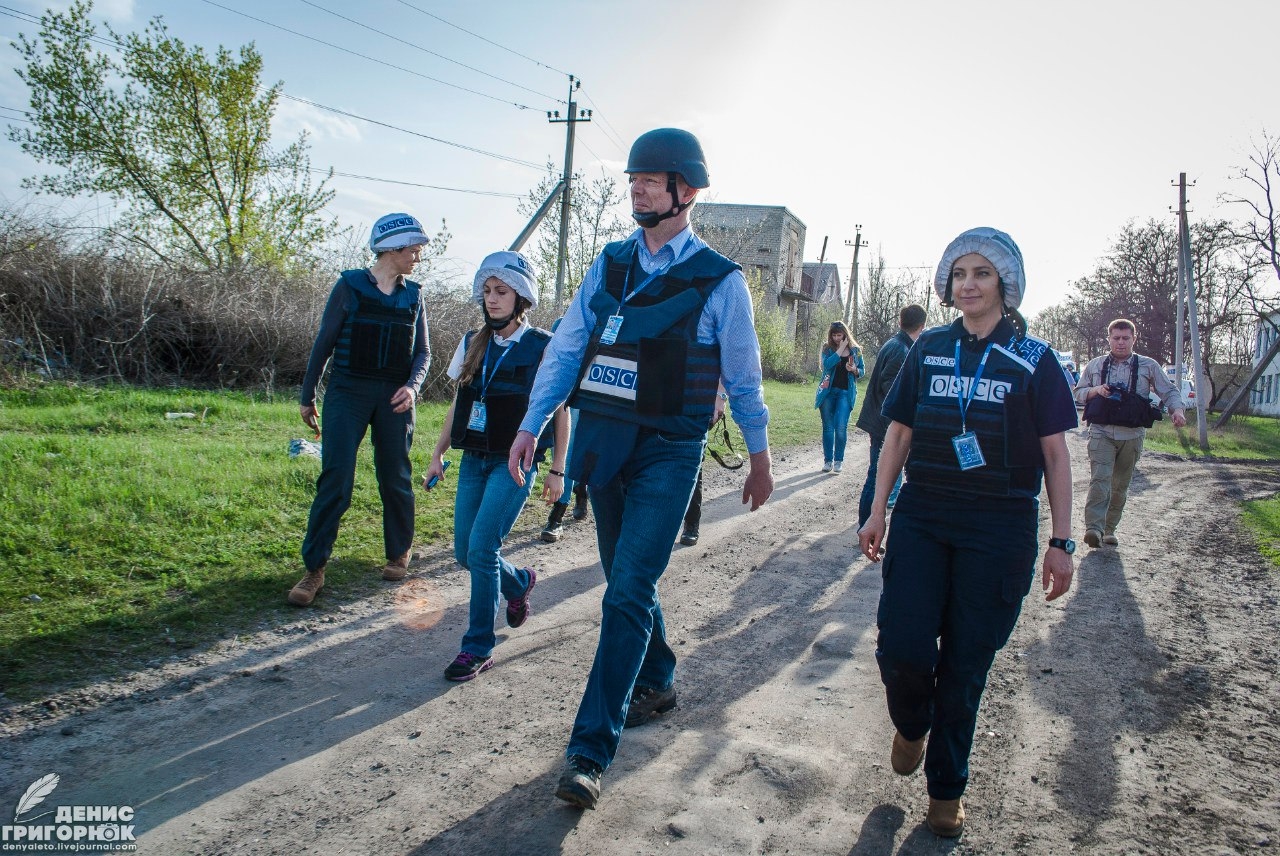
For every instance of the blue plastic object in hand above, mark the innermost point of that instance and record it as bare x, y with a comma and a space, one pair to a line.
431, 482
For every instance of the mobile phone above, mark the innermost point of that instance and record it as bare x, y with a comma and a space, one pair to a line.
431, 482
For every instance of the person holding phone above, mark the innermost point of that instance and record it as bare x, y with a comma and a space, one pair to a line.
841, 363
495, 367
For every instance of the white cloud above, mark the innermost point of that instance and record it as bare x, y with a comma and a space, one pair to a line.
293, 117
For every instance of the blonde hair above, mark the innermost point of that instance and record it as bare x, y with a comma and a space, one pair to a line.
480, 343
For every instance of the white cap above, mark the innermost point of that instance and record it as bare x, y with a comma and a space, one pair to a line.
994, 246
513, 269
395, 232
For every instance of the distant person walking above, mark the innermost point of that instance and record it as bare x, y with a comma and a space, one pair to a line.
841, 364
888, 361
375, 329
979, 413
1115, 390
495, 367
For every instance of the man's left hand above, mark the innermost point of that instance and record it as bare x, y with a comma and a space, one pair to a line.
403, 399
1179, 417
759, 483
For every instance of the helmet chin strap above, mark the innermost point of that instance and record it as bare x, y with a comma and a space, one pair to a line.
496, 324
648, 219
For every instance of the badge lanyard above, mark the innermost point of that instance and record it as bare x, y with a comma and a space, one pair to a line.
614, 325
963, 400
968, 450
479, 415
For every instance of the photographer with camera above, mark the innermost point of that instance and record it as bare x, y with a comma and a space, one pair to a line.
1115, 390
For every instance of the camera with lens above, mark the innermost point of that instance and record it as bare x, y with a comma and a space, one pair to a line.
1118, 389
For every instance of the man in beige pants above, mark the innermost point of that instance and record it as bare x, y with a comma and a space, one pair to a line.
1115, 389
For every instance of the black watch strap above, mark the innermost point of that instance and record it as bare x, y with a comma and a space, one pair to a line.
1065, 544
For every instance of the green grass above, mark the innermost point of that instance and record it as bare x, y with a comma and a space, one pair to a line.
1252, 437
1263, 517
125, 536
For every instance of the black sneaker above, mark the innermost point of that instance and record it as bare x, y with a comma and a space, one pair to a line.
466, 666
689, 536
518, 607
554, 530
647, 702
579, 503
580, 782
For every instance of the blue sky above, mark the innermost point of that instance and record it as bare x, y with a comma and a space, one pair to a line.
1055, 122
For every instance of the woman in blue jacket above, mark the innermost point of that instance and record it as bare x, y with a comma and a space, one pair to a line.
495, 367
841, 367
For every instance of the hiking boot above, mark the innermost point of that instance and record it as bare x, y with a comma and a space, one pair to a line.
466, 666
647, 702
580, 782
1093, 537
307, 588
945, 818
1110, 539
826, 466
689, 536
907, 754
837, 466
579, 502
396, 569
518, 607
554, 530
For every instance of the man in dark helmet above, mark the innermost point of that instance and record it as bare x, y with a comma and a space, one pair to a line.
659, 320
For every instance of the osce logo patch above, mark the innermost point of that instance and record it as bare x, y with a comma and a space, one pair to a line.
949, 362
943, 386
611, 376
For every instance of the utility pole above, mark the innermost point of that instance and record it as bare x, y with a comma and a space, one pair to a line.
1187, 276
851, 308
573, 117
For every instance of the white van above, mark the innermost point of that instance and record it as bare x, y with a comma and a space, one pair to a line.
1189, 397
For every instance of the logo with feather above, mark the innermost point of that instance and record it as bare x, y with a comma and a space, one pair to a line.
35, 795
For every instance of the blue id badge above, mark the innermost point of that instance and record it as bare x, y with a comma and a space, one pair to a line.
968, 452
478, 418
611, 329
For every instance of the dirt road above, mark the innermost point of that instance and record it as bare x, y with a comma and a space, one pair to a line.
1137, 715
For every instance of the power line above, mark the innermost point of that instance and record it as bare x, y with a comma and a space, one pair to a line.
615, 138
430, 52
506, 158
416, 184
370, 58
482, 38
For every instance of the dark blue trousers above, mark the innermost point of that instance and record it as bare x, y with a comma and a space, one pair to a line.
955, 574
351, 407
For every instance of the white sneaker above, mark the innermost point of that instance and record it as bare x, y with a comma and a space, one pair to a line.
838, 465
826, 467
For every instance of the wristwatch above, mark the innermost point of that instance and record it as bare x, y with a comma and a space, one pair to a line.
1064, 544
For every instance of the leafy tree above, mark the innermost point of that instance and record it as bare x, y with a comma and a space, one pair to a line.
180, 140
593, 222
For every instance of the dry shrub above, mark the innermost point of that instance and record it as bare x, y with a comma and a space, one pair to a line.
80, 313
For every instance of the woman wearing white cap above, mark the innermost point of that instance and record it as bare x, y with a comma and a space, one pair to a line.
495, 367
979, 413
375, 329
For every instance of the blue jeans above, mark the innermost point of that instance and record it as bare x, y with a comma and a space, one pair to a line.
835, 411
351, 407
488, 503
638, 516
869, 487
952, 592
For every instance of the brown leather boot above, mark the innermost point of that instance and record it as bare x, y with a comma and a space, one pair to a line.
907, 754
307, 588
396, 569
945, 818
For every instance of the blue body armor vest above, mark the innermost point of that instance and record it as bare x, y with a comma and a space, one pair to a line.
377, 340
655, 374
506, 398
1000, 414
